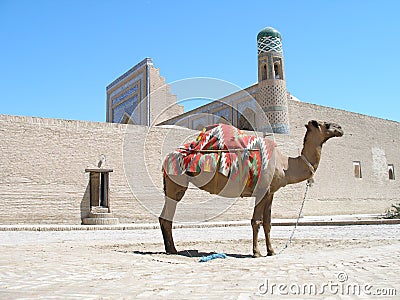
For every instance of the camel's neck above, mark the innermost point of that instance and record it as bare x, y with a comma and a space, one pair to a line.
298, 170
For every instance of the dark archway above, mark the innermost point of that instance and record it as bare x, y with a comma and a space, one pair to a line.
246, 120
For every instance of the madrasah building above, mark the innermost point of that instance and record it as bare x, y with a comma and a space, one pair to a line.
140, 95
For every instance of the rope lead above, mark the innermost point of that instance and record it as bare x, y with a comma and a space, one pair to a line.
308, 184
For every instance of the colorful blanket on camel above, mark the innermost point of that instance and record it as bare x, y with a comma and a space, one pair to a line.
226, 148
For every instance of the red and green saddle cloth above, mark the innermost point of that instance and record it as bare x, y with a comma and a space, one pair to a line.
235, 154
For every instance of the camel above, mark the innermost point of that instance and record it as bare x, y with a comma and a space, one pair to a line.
286, 170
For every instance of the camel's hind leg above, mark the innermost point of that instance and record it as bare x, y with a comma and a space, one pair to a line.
174, 190
256, 221
267, 224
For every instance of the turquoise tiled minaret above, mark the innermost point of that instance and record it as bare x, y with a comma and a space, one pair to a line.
272, 95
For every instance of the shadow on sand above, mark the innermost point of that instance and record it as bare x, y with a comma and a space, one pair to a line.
192, 253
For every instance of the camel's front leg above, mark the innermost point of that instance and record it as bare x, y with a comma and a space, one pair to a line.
174, 190
165, 220
255, 224
267, 224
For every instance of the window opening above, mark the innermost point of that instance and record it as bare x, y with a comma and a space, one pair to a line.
278, 72
103, 191
264, 73
391, 172
357, 169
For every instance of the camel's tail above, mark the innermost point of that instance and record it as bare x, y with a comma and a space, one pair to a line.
164, 185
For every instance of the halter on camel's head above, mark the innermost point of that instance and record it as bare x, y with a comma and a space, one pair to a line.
323, 131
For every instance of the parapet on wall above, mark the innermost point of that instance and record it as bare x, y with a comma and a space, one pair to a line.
43, 165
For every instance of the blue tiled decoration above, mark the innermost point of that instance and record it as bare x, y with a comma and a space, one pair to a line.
225, 113
137, 79
280, 128
269, 44
124, 95
252, 104
129, 106
129, 88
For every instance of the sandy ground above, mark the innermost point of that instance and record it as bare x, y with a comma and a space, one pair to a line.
132, 265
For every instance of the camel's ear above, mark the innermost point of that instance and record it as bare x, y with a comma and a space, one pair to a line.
312, 123
315, 123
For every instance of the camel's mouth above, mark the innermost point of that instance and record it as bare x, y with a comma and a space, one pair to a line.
335, 129
339, 133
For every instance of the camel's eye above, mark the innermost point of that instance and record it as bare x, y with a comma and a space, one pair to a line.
327, 125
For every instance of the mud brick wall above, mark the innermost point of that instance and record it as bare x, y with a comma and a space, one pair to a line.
42, 163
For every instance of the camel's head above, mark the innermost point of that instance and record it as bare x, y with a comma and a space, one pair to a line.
324, 130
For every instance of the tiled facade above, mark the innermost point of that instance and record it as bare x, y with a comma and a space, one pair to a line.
130, 96
124, 96
232, 109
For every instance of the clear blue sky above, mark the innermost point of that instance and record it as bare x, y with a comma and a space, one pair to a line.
57, 56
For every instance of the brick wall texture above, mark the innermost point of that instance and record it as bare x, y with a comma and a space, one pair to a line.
43, 163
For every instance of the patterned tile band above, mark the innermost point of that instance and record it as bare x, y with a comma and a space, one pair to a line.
124, 95
133, 81
276, 108
280, 128
269, 44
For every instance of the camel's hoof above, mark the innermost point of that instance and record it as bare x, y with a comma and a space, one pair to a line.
257, 254
172, 251
272, 253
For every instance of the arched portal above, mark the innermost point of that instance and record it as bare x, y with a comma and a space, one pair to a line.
247, 119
